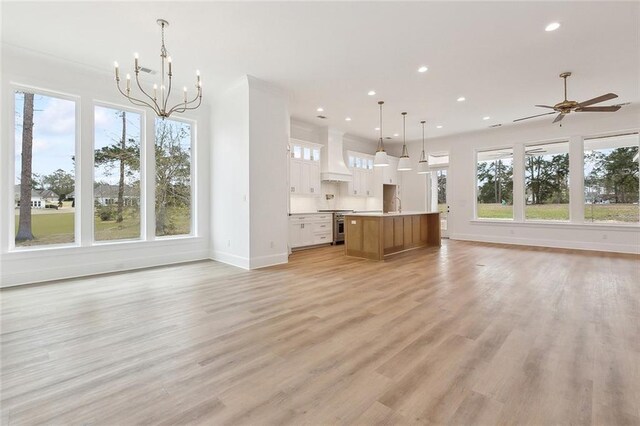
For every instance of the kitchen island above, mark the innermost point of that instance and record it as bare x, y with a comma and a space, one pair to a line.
376, 235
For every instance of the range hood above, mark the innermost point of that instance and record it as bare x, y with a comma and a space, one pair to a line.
333, 167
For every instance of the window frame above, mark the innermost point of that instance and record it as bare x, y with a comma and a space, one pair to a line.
143, 170
475, 184
151, 169
77, 99
524, 181
583, 198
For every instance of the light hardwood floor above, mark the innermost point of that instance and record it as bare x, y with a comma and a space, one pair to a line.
463, 334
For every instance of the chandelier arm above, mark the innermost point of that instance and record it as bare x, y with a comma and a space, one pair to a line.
134, 100
183, 106
143, 91
166, 99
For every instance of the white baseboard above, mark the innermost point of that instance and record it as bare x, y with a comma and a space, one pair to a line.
229, 259
577, 245
249, 263
271, 260
29, 272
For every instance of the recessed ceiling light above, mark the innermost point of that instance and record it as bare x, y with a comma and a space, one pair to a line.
438, 127
376, 129
371, 92
320, 109
462, 99
486, 118
347, 119
396, 134
423, 69
552, 26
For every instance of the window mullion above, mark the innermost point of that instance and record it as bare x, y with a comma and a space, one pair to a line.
576, 179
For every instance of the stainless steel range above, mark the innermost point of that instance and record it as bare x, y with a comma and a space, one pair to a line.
338, 224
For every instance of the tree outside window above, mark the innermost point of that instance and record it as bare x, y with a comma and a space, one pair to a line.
494, 177
44, 191
547, 182
173, 178
611, 179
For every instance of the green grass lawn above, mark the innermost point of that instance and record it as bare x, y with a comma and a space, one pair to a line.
50, 228
57, 227
627, 213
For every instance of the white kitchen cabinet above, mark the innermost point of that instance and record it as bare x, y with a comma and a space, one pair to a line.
295, 179
310, 229
304, 168
390, 174
314, 178
362, 183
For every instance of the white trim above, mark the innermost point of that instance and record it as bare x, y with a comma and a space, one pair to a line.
575, 245
98, 259
269, 260
230, 259
76, 99
558, 224
141, 202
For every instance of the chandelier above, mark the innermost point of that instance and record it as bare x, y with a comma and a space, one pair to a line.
159, 104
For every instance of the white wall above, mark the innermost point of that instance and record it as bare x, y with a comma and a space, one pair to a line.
269, 177
461, 175
230, 213
25, 266
249, 175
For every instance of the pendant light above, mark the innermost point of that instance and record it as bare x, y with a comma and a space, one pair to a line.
380, 159
405, 163
423, 164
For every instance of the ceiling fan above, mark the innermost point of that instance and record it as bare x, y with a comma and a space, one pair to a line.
565, 107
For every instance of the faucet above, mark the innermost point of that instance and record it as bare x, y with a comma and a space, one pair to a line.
399, 204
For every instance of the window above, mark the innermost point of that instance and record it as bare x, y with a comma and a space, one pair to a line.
546, 181
116, 186
307, 153
173, 177
297, 151
611, 179
45, 139
494, 177
316, 155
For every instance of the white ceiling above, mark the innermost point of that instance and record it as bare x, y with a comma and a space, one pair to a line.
331, 54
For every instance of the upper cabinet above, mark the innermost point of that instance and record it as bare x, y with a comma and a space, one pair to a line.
304, 167
361, 166
390, 175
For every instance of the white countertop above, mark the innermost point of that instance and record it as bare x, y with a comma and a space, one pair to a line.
380, 214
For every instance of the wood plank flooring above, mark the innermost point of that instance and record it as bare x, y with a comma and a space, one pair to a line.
464, 334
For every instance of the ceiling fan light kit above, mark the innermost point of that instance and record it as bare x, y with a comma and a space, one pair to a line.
567, 106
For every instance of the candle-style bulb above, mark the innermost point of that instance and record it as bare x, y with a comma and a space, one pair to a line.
155, 91
185, 94
135, 56
128, 82
115, 64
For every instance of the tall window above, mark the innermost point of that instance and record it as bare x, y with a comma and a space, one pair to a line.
116, 187
546, 181
611, 179
45, 138
494, 176
173, 177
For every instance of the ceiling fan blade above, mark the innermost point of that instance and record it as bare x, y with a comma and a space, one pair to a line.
544, 106
559, 118
598, 99
612, 108
534, 116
